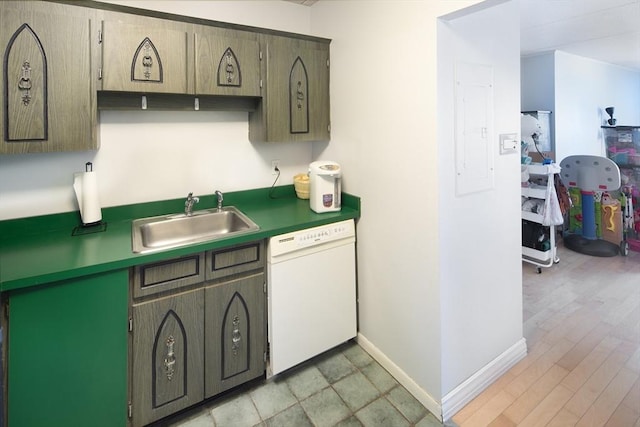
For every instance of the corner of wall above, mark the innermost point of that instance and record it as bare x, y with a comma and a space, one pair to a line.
405, 380
457, 398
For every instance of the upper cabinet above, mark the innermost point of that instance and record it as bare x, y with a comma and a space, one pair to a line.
48, 98
63, 61
143, 54
227, 62
295, 105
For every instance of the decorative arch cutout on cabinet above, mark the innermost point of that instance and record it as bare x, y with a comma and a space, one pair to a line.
298, 97
147, 64
229, 70
236, 352
25, 87
169, 365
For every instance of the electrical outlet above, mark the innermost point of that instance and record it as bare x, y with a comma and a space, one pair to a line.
275, 167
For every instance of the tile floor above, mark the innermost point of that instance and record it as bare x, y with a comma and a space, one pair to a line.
344, 387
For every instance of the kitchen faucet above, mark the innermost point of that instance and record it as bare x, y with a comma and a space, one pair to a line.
220, 199
188, 204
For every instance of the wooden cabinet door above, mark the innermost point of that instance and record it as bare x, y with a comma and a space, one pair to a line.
296, 101
145, 55
48, 100
167, 356
235, 333
227, 62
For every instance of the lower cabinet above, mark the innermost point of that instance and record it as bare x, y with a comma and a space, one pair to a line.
199, 329
167, 356
66, 353
234, 331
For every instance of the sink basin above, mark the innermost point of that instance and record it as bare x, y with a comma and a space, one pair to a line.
172, 231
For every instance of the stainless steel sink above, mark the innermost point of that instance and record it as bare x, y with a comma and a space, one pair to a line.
172, 231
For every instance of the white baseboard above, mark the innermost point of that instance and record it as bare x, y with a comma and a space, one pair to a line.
461, 395
457, 398
395, 371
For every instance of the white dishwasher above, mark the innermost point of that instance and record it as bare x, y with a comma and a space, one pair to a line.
311, 293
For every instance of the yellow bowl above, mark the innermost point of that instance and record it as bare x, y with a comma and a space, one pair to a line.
301, 184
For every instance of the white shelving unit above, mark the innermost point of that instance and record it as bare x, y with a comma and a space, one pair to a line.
539, 258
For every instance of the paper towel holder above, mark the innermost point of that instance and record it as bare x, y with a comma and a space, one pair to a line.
91, 227
96, 227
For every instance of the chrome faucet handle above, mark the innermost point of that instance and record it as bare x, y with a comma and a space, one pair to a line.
188, 204
220, 198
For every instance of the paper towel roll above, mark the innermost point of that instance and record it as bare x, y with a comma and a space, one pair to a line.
85, 185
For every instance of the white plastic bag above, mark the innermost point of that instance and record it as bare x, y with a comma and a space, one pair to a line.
552, 213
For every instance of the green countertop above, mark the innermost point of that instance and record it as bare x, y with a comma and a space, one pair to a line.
40, 250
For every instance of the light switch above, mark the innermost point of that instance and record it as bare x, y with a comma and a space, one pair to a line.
509, 143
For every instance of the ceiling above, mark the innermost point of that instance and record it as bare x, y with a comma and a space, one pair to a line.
605, 30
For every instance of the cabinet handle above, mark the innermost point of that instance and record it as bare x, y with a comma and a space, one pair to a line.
170, 359
236, 337
299, 95
24, 83
147, 62
229, 68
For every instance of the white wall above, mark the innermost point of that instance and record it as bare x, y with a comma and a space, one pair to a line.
430, 298
537, 87
481, 298
584, 88
537, 83
577, 90
383, 133
148, 155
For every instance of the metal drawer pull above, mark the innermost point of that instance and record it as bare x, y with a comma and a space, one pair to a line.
229, 69
24, 83
235, 336
170, 359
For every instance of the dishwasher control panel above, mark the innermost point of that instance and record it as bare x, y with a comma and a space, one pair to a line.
312, 236
324, 233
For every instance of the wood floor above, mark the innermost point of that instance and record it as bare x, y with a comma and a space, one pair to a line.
582, 325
